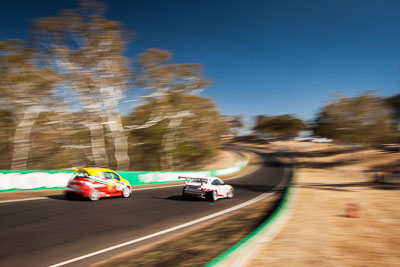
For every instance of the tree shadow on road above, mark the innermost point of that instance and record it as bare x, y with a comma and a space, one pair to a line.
255, 187
346, 187
58, 197
178, 198
271, 161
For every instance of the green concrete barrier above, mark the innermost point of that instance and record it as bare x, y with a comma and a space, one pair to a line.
43, 179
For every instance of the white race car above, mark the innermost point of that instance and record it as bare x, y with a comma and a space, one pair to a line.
210, 188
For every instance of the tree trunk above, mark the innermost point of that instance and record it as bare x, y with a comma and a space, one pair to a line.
114, 123
169, 139
97, 138
22, 139
120, 142
98, 145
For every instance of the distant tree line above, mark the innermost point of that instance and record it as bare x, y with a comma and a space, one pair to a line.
367, 119
280, 126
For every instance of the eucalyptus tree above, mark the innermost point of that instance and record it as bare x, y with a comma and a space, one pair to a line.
7, 130
26, 89
87, 50
161, 79
281, 126
235, 123
194, 141
394, 104
366, 119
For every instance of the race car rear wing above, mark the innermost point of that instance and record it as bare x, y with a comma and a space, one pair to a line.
190, 178
80, 172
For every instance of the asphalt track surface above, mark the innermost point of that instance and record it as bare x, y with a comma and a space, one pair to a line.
53, 230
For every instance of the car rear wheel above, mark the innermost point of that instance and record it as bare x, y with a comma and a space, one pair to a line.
126, 192
213, 196
230, 193
94, 195
183, 193
69, 195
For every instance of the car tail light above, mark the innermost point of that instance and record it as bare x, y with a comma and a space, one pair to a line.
77, 183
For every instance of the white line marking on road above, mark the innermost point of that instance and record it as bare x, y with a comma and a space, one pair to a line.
39, 198
157, 187
23, 199
244, 204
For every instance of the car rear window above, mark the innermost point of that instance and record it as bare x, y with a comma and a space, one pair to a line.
81, 174
195, 181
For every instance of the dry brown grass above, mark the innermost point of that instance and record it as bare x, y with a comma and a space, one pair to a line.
320, 233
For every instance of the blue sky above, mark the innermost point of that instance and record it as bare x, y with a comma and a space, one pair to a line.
264, 57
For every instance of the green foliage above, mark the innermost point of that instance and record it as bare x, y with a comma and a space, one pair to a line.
56, 142
87, 50
21, 78
394, 105
281, 126
364, 119
194, 140
156, 74
235, 123
7, 129
83, 51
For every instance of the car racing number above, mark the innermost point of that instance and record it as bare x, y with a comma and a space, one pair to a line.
114, 185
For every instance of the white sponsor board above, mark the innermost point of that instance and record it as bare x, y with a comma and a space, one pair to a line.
33, 180
160, 177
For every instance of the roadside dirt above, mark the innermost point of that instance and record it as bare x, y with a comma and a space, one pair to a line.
341, 217
29, 194
224, 159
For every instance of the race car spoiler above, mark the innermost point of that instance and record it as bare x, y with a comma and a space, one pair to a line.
78, 170
188, 178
